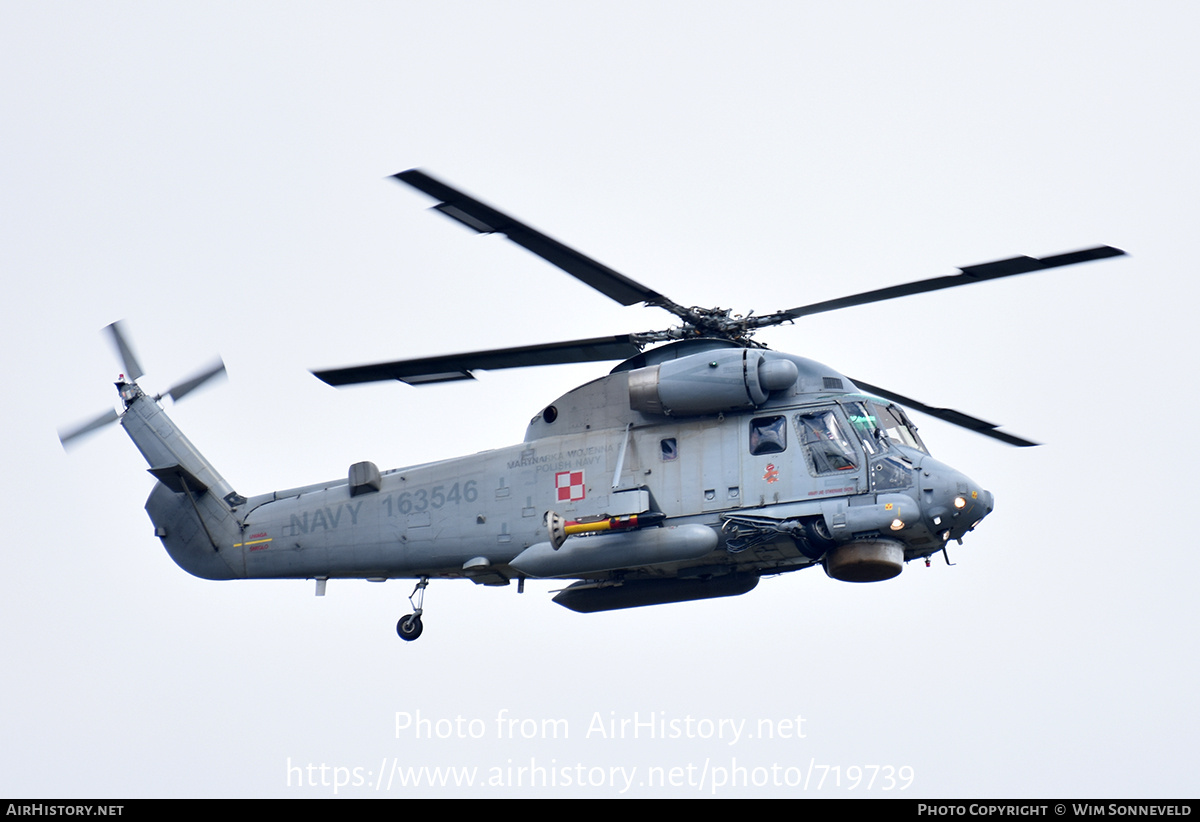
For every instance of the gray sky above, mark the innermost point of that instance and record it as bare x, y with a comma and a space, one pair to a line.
215, 175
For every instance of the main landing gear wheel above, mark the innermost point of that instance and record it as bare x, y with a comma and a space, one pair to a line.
409, 627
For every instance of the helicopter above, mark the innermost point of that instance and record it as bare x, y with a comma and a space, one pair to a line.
700, 463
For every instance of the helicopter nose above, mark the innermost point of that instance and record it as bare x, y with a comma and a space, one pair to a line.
951, 502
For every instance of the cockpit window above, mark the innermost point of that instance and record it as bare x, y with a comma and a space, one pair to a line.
768, 435
862, 420
826, 447
895, 426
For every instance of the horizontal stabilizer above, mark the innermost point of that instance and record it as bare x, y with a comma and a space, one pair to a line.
179, 479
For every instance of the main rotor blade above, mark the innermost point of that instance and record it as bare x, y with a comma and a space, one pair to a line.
132, 369
948, 415
487, 220
459, 366
970, 274
66, 437
181, 390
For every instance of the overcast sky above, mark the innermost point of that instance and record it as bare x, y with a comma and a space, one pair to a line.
215, 174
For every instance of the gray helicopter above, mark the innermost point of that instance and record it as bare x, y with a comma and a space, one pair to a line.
689, 471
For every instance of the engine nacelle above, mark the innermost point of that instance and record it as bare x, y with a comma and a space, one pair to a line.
709, 383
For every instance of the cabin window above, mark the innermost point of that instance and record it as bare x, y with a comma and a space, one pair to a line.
826, 447
768, 435
668, 449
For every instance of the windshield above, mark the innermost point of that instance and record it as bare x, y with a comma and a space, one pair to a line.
878, 424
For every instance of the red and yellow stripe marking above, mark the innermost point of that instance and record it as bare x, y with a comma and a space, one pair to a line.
257, 542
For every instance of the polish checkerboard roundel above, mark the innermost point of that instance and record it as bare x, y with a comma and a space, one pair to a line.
569, 485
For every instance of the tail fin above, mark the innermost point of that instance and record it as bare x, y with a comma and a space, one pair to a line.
192, 507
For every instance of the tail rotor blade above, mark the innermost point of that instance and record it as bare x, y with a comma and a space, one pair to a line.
133, 370
181, 390
68, 436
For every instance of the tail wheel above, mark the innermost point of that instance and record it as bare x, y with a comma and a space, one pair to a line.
409, 627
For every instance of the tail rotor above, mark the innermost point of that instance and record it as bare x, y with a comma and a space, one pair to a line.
133, 372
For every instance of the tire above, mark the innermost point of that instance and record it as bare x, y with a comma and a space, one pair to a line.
820, 541
409, 627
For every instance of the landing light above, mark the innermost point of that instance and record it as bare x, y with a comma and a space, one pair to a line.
960, 502
897, 524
